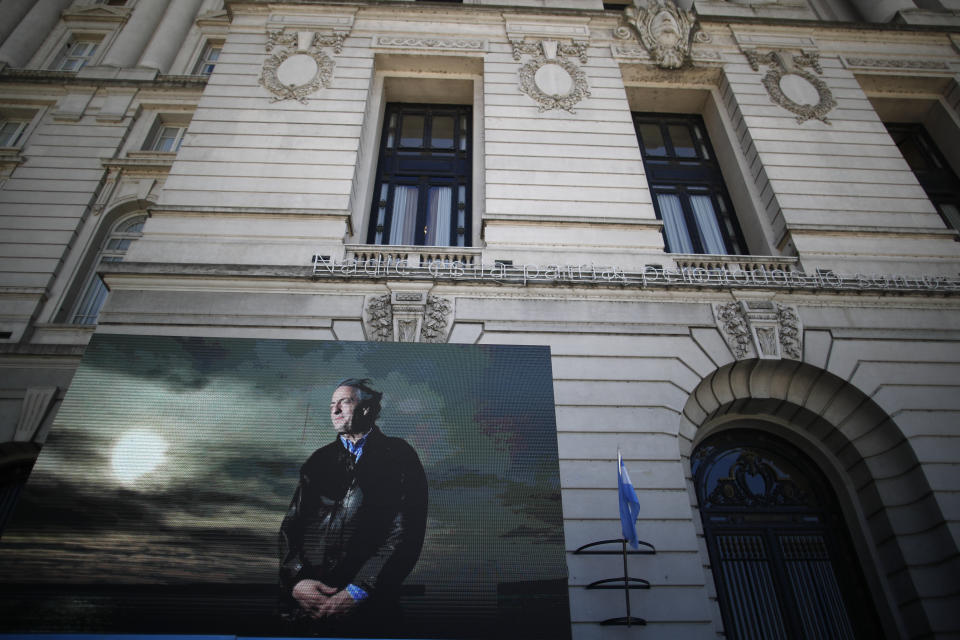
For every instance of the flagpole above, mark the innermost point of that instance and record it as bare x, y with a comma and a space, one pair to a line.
626, 582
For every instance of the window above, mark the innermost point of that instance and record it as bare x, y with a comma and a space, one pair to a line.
76, 53
422, 193
208, 59
10, 132
165, 137
113, 249
779, 550
688, 190
931, 169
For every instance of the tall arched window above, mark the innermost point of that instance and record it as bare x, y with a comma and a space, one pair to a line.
114, 247
779, 548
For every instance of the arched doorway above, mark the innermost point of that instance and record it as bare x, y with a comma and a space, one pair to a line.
781, 555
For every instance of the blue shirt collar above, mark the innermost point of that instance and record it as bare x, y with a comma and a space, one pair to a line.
355, 449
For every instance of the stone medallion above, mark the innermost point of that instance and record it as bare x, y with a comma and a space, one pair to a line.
550, 77
791, 85
297, 66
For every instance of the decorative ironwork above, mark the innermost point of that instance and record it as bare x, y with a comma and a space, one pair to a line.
753, 482
624, 582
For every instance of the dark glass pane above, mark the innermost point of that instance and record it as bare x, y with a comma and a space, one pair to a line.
425, 155
682, 141
912, 152
950, 213
677, 157
652, 137
439, 208
441, 135
412, 132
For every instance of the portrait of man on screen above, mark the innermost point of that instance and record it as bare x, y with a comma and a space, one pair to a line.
356, 523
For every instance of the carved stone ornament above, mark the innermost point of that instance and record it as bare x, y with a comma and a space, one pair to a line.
296, 66
408, 316
894, 63
550, 77
666, 31
761, 329
792, 86
415, 42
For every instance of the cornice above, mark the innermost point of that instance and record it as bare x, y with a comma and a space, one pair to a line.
152, 161
886, 232
828, 24
160, 209
528, 219
153, 275
41, 76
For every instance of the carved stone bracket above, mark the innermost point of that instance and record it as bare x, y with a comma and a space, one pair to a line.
297, 65
790, 85
760, 328
550, 77
408, 316
666, 31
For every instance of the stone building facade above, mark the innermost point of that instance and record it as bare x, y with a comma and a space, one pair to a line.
732, 221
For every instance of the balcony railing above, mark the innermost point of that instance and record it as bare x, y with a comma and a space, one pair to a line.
736, 263
413, 256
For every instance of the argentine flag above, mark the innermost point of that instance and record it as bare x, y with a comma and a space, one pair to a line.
629, 504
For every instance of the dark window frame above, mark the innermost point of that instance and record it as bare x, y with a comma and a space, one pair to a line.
693, 171
815, 515
937, 177
426, 167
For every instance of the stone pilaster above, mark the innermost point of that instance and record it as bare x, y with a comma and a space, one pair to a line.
12, 12
169, 36
882, 10
31, 31
128, 46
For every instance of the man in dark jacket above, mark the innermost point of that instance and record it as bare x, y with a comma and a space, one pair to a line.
356, 523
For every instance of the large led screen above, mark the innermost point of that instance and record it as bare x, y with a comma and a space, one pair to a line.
199, 485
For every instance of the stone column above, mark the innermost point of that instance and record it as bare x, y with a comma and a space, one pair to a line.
12, 12
31, 31
169, 36
882, 10
126, 49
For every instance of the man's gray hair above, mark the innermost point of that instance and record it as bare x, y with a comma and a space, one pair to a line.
367, 395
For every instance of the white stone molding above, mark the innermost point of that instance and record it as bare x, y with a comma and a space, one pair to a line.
297, 65
550, 78
629, 51
408, 316
96, 13
761, 329
36, 405
857, 62
790, 85
665, 31
136, 33
433, 44
753, 40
